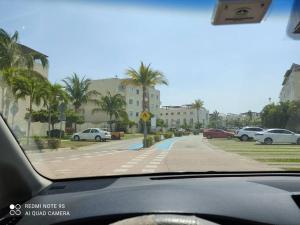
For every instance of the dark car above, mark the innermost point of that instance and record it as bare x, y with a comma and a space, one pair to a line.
217, 133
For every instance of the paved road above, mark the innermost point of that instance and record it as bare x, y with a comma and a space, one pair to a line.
190, 153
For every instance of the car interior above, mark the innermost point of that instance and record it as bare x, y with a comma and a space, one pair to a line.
29, 197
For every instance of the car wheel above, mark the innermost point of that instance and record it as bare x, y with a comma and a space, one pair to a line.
298, 141
209, 137
268, 141
244, 137
98, 138
76, 138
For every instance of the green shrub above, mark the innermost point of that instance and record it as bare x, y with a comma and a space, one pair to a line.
157, 138
38, 141
178, 133
186, 133
196, 132
149, 141
168, 135
54, 143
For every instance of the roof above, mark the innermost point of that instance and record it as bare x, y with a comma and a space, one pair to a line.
26, 49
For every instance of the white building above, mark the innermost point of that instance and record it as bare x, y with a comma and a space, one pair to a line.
132, 95
291, 84
177, 116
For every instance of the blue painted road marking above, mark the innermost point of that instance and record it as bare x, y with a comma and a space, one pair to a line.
135, 146
166, 144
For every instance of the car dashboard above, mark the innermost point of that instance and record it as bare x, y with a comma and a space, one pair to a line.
236, 199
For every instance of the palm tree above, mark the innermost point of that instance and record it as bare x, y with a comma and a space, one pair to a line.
145, 77
55, 95
198, 104
113, 105
10, 59
215, 117
78, 91
32, 85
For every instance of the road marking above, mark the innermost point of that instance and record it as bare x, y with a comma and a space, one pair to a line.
59, 157
132, 162
148, 170
74, 158
151, 166
127, 166
156, 163
87, 156
120, 170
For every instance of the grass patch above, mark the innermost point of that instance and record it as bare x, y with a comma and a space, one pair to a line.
270, 154
75, 144
132, 136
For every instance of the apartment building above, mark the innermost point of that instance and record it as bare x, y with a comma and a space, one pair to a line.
17, 109
177, 116
291, 84
132, 95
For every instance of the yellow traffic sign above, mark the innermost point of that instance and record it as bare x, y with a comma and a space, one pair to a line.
145, 116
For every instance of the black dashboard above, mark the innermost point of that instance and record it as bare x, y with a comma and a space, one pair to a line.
224, 200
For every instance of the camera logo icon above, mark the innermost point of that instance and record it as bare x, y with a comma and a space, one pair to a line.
15, 210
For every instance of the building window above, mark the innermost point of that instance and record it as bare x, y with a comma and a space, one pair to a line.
137, 91
167, 122
172, 113
184, 113
191, 121
178, 113
131, 113
167, 114
137, 102
157, 97
191, 113
137, 114
130, 101
152, 95
161, 114
157, 106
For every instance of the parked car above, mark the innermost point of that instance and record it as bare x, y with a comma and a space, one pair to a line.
247, 133
217, 133
280, 136
92, 134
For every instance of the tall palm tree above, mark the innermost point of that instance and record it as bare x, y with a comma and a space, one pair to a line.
79, 91
10, 59
113, 105
33, 86
55, 95
215, 117
198, 104
145, 77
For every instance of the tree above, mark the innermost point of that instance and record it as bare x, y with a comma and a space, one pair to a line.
145, 77
113, 105
215, 119
79, 91
10, 59
32, 85
198, 104
56, 95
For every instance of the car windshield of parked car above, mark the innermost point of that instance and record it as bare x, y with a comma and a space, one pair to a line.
99, 88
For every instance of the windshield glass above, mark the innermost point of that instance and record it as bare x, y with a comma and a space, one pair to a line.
96, 88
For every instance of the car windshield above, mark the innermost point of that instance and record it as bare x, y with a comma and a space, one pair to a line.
88, 87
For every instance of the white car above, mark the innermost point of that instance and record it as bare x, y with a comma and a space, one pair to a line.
247, 133
92, 134
280, 136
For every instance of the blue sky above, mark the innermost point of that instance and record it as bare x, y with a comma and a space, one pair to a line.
231, 68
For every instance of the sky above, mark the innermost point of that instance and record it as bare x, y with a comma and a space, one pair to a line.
232, 68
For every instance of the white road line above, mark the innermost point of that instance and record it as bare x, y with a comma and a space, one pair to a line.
87, 156
127, 166
156, 163
120, 170
148, 170
59, 157
74, 158
151, 166
132, 162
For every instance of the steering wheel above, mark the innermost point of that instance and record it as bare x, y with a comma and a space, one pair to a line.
164, 219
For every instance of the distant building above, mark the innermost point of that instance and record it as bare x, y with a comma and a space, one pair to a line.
177, 116
291, 85
133, 97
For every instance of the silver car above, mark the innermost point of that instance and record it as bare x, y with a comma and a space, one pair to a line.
277, 136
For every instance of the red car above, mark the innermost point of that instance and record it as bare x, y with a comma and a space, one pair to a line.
217, 133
